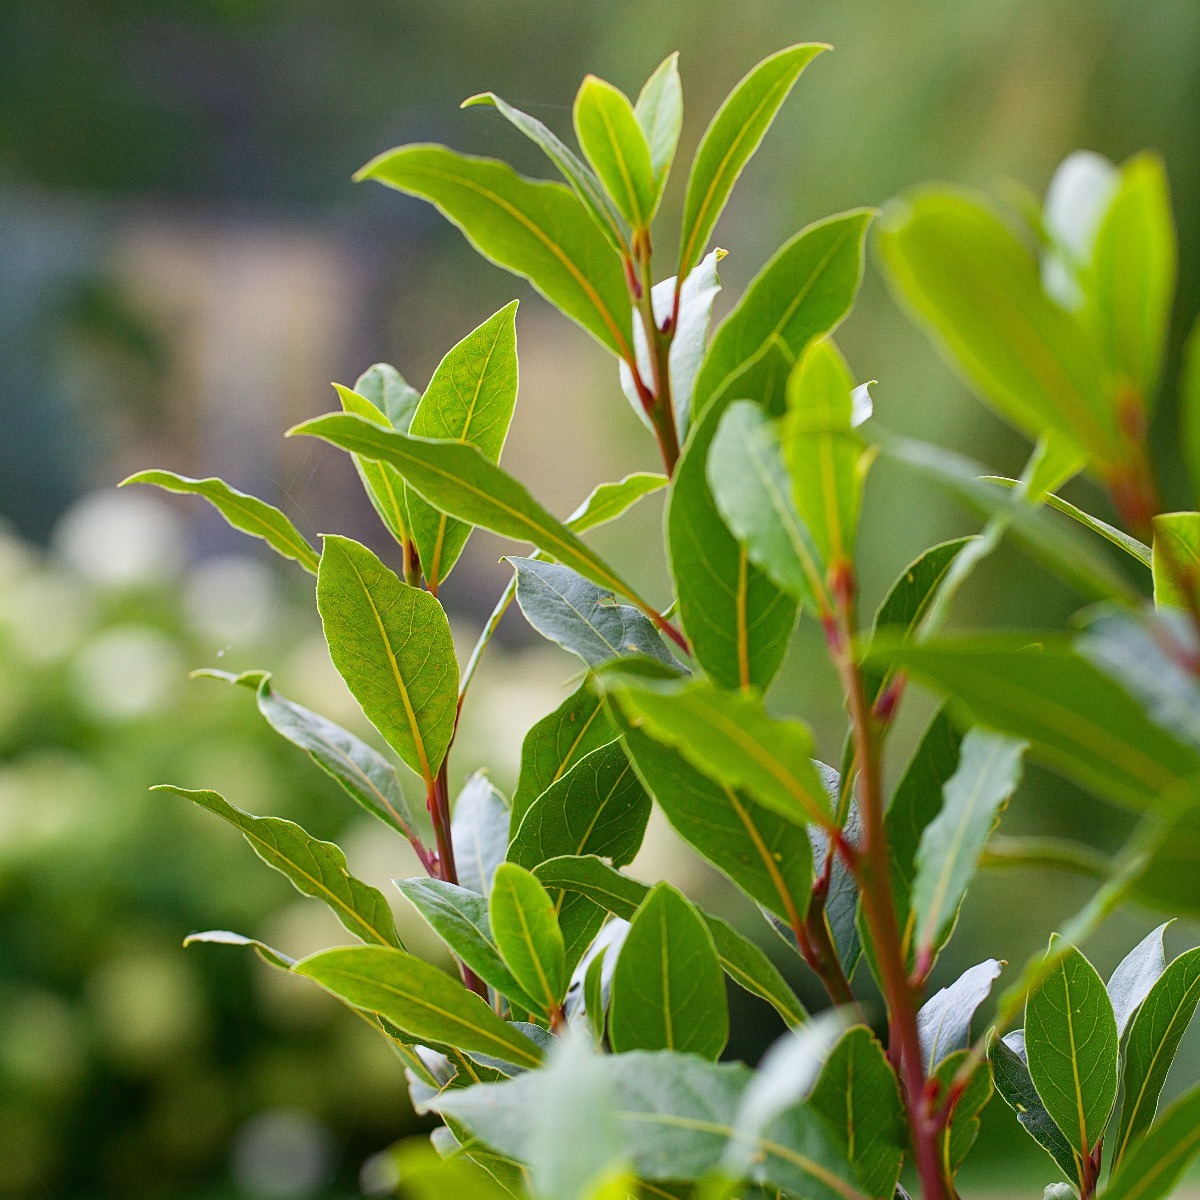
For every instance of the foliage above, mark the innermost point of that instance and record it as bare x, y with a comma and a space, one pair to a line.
575, 1054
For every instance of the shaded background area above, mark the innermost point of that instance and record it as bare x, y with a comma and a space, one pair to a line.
184, 266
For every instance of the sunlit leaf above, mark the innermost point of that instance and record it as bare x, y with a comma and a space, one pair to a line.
223, 937
659, 111
525, 927
1176, 560
615, 144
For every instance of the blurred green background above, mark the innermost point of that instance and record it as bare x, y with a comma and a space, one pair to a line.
184, 266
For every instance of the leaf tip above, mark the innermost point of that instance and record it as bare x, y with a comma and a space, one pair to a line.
478, 99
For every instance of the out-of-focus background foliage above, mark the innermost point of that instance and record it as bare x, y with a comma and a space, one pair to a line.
184, 266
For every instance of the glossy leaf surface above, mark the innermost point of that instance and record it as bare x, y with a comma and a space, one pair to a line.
525, 926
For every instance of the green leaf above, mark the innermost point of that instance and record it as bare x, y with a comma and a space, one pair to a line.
581, 178
1011, 1073
596, 990
384, 485
536, 230
667, 990
479, 832
826, 459
391, 644
732, 137
247, 513
460, 918
1189, 405
963, 1129
858, 1095
1176, 560
364, 774
1071, 1044
1054, 462
737, 620
557, 742
741, 959
729, 737
525, 927
753, 492
223, 937
1076, 719
989, 769
1157, 1163
419, 999
1135, 975
315, 868
457, 479
609, 500
968, 280
944, 1022
659, 111
915, 803
387, 391
1154, 1037
614, 143
470, 399
768, 857
1131, 280
1079, 192
1168, 879
424, 1174
586, 620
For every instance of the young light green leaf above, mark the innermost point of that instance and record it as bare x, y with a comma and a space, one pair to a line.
1156, 1163
1010, 1071
557, 742
423, 1174
247, 513
1189, 405
387, 391
1054, 461
575, 614
1071, 1045
731, 139
858, 1095
1131, 280
667, 990
659, 111
470, 399
967, 279
1075, 718
768, 857
614, 143
384, 485
223, 937
989, 769
456, 479
729, 737
315, 868
525, 926
534, 229
753, 492
1176, 560
738, 621
418, 999
826, 459
944, 1022
1154, 1037
609, 500
391, 644
1135, 975
460, 918
581, 178
479, 831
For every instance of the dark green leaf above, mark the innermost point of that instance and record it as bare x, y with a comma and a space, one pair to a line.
557, 742
1076, 719
223, 937
315, 868
944, 1022
418, 999
479, 831
1016, 1089
588, 621
470, 399
659, 111
247, 513
729, 737
1154, 1037
964, 1125
1135, 975
1071, 1046
989, 769
1156, 1163
391, 644
731, 139
738, 621
525, 927
615, 145
534, 229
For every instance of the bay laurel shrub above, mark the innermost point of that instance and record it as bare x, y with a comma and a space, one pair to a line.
575, 1053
